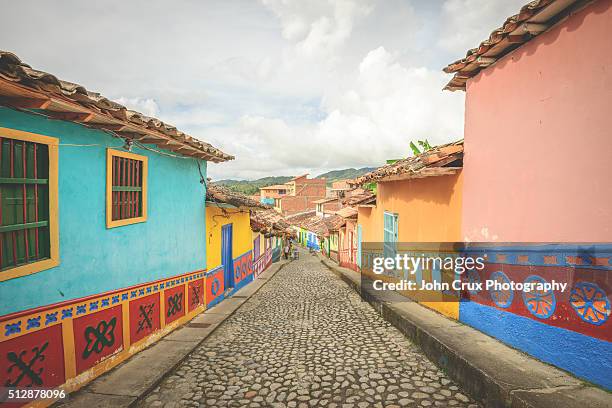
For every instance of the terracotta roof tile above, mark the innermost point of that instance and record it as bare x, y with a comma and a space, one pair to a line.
440, 160
17, 78
220, 194
533, 18
347, 212
269, 221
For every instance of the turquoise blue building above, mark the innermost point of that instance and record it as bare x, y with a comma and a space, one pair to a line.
102, 228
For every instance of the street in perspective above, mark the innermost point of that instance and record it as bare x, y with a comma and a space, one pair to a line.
306, 339
302, 204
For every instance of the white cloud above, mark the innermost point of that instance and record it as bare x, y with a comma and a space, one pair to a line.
318, 27
466, 23
145, 106
287, 86
386, 107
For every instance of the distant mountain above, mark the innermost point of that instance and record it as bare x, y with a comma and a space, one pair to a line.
250, 187
337, 175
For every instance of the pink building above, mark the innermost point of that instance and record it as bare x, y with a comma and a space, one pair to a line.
538, 119
537, 166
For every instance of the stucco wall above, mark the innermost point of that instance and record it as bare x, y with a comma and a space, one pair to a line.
536, 168
93, 258
429, 210
216, 218
537, 138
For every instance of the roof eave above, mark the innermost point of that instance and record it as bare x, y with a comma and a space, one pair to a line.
533, 19
119, 122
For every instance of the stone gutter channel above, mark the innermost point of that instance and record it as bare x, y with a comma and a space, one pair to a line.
493, 373
129, 382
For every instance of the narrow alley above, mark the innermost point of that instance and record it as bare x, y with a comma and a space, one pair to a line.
306, 339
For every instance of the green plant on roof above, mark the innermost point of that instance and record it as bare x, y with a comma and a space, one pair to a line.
425, 146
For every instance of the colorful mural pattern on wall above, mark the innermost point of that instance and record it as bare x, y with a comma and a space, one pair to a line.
570, 329
46, 346
216, 289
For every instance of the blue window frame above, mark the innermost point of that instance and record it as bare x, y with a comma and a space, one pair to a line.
390, 226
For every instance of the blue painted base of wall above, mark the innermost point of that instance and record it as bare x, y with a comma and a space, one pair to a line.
241, 284
583, 356
215, 301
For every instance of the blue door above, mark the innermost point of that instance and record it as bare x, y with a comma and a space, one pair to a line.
226, 255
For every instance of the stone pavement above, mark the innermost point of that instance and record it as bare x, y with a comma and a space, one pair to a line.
305, 339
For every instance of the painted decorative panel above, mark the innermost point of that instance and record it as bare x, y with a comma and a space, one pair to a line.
97, 336
583, 309
195, 294
174, 303
214, 286
243, 268
36, 359
98, 332
144, 317
571, 329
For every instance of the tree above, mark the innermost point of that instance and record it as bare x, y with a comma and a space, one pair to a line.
425, 146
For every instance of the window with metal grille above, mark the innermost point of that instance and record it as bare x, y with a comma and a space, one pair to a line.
24, 213
126, 188
28, 203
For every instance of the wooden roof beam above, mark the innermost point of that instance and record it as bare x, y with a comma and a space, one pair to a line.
113, 127
151, 139
71, 116
25, 103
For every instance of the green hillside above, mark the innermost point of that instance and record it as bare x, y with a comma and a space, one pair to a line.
336, 175
250, 187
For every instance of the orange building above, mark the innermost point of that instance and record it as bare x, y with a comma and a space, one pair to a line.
418, 200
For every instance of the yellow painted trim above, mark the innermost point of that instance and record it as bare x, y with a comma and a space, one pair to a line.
54, 260
74, 381
110, 153
69, 353
125, 318
162, 308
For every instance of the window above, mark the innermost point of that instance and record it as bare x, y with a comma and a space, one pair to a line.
28, 203
390, 235
126, 188
390, 227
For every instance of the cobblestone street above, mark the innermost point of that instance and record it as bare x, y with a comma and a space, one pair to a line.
306, 339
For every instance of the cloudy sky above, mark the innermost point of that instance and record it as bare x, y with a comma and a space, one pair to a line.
287, 86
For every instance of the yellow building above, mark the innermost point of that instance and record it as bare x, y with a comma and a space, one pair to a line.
269, 230
229, 242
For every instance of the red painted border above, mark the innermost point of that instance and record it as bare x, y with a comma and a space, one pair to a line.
39, 309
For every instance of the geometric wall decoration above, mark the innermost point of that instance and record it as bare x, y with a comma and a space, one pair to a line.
215, 285
195, 294
590, 303
540, 303
144, 317
97, 336
174, 303
33, 360
501, 297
